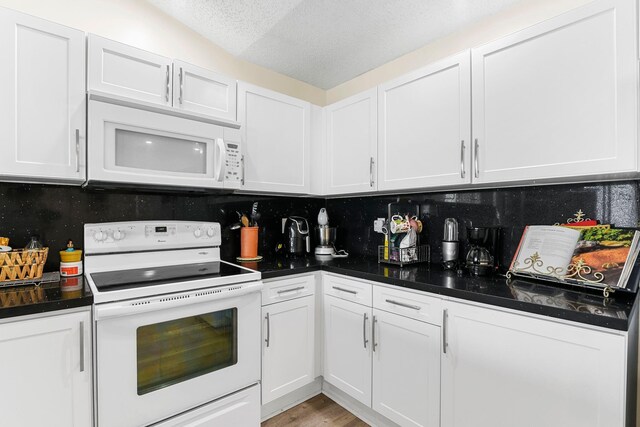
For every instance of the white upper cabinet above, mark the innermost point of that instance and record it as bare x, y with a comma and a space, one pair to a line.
124, 70
203, 91
424, 127
275, 130
42, 107
558, 99
352, 144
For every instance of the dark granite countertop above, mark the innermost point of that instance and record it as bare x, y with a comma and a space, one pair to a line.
533, 297
53, 294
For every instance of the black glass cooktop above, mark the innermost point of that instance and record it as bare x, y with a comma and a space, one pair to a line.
139, 277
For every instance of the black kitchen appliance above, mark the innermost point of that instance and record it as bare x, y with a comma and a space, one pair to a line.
483, 253
297, 240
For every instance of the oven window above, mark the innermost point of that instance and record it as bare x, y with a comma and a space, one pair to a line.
159, 153
178, 350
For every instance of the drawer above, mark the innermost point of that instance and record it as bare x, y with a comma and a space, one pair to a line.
416, 306
347, 289
289, 288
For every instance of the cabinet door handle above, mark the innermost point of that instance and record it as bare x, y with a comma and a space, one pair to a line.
475, 160
349, 291
166, 95
268, 330
242, 167
401, 304
284, 291
81, 346
181, 80
462, 171
373, 333
445, 316
371, 180
364, 330
77, 150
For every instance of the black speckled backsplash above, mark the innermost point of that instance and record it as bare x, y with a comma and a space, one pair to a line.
509, 208
57, 213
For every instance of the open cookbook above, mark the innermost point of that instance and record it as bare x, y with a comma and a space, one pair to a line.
600, 256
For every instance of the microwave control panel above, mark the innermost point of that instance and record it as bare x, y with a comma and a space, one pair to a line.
233, 170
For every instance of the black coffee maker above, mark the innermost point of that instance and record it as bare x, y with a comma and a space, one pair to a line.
297, 240
483, 252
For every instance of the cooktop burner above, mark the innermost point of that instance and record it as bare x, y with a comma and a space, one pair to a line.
140, 277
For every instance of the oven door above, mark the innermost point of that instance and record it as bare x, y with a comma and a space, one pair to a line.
137, 147
161, 356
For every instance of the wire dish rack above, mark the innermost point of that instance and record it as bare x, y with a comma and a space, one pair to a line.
404, 256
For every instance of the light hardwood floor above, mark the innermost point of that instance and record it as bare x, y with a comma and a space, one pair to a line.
317, 411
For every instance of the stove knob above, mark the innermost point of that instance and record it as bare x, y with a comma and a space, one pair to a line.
197, 232
118, 235
98, 236
210, 232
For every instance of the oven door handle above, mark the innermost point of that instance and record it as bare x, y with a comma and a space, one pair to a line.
166, 302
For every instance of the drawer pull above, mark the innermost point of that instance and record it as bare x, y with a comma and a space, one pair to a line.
337, 288
284, 291
401, 304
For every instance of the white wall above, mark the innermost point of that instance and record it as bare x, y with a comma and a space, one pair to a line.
137, 23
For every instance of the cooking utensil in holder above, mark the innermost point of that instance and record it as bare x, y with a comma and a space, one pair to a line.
22, 264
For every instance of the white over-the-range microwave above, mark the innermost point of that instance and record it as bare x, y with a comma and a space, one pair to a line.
147, 148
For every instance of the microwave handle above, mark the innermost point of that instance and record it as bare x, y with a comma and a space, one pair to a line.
220, 159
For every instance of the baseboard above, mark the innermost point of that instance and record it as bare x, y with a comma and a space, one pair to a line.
358, 409
281, 404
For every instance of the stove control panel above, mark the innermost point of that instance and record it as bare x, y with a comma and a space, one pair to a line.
150, 235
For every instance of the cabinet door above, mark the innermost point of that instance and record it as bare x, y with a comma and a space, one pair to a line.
406, 370
504, 369
559, 98
424, 127
47, 375
275, 131
352, 144
347, 347
288, 347
124, 70
203, 91
42, 107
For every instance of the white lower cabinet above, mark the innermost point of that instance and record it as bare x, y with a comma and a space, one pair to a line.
503, 369
47, 371
347, 347
406, 370
288, 347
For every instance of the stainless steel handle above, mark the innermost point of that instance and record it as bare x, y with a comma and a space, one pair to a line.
181, 79
462, 171
77, 150
373, 333
445, 315
401, 304
268, 330
166, 95
371, 180
475, 160
284, 291
364, 330
242, 167
81, 346
337, 288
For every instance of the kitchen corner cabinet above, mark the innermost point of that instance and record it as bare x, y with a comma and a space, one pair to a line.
47, 371
288, 345
424, 127
558, 99
501, 368
352, 144
42, 108
276, 133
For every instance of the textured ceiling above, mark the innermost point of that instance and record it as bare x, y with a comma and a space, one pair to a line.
326, 42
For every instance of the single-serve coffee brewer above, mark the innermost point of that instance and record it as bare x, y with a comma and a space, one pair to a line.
483, 254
